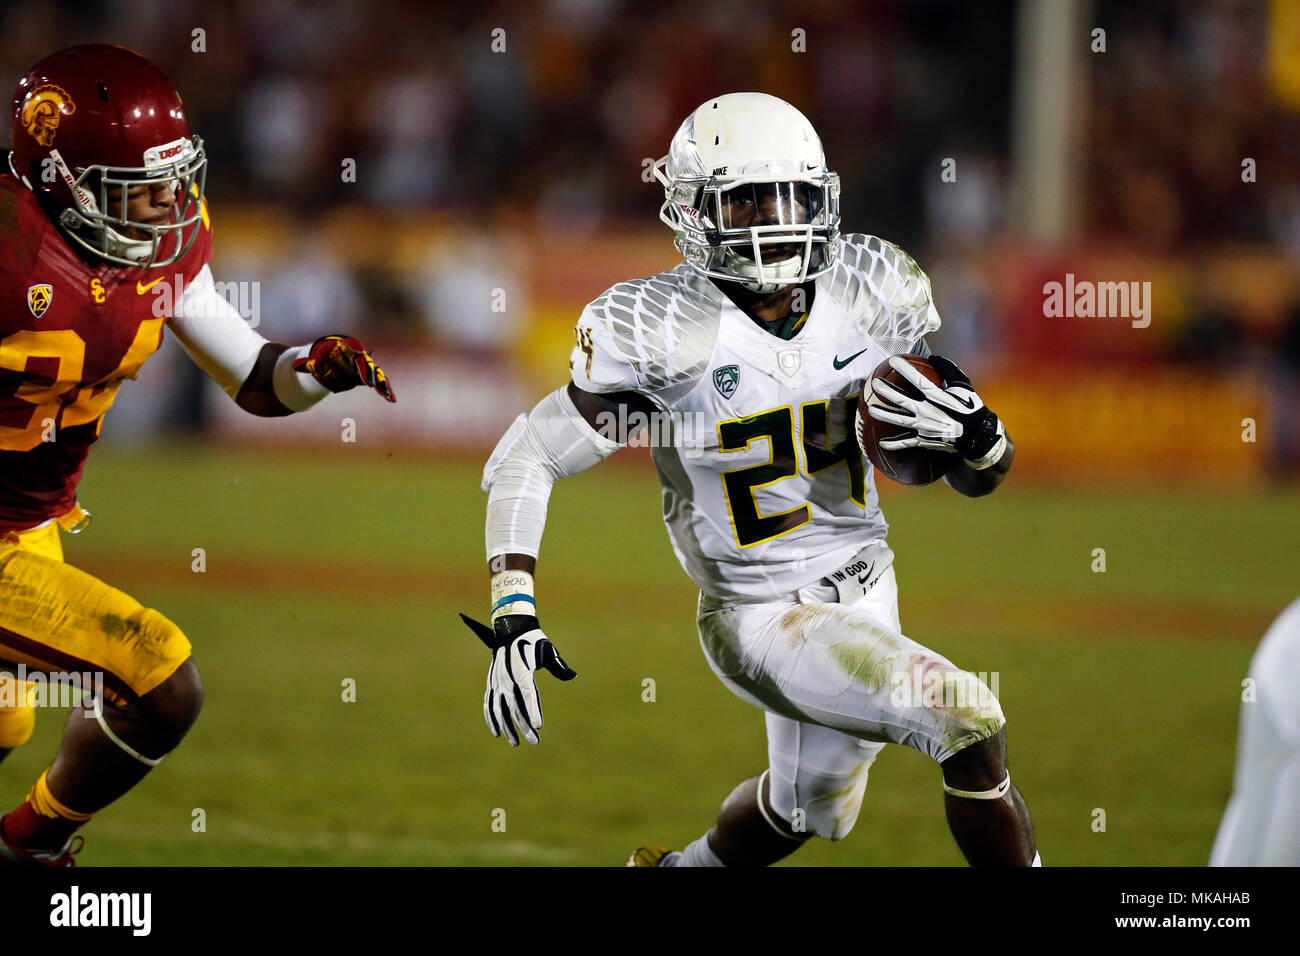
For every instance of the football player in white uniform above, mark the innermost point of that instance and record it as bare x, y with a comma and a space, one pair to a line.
747, 360
1261, 826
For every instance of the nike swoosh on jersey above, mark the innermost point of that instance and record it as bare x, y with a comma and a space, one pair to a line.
840, 364
141, 288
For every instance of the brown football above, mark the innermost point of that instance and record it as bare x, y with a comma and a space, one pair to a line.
908, 466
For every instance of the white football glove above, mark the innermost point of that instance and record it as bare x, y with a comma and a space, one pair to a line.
953, 418
519, 649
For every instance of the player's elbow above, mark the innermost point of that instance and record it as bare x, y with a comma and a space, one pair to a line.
976, 487
261, 402
976, 483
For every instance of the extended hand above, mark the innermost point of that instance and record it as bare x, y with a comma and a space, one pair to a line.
519, 650
340, 362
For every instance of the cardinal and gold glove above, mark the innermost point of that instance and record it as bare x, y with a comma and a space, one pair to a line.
340, 362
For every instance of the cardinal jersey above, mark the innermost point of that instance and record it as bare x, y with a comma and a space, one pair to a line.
70, 333
764, 487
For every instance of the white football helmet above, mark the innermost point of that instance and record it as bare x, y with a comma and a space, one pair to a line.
746, 173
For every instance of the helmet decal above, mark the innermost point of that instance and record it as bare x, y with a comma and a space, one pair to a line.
43, 109
156, 156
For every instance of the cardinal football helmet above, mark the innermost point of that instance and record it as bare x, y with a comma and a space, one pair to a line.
745, 174
90, 122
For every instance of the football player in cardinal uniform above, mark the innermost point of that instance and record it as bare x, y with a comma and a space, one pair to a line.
104, 246
751, 355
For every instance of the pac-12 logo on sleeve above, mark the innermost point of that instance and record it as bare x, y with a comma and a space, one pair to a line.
39, 297
726, 379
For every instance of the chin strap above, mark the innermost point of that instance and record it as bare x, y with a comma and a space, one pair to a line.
119, 245
116, 244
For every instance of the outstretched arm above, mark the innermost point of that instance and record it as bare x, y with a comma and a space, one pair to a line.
566, 433
265, 378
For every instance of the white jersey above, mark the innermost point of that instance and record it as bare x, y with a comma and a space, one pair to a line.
765, 488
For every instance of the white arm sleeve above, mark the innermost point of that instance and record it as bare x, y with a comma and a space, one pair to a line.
552, 441
214, 334
226, 347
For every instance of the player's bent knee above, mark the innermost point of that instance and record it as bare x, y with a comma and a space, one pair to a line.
971, 713
173, 706
978, 771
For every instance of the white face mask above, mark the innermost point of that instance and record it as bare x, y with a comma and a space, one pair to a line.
763, 234
748, 195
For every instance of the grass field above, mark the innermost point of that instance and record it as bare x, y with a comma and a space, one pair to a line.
1121, 689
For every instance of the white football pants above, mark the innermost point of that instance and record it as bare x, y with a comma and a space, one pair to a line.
838, 682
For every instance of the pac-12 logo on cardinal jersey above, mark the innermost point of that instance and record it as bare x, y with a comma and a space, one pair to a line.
42, 109
39, 298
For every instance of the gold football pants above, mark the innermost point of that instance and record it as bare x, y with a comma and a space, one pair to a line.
55, 619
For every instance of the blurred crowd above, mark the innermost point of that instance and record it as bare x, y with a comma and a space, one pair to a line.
551, 106
1193, 150
1183, 96
554, 113
546, 111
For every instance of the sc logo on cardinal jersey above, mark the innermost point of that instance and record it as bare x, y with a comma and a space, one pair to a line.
38, 298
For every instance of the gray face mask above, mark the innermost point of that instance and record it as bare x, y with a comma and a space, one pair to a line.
97, 189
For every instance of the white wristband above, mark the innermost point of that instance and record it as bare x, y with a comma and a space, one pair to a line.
512, 593
297, 391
